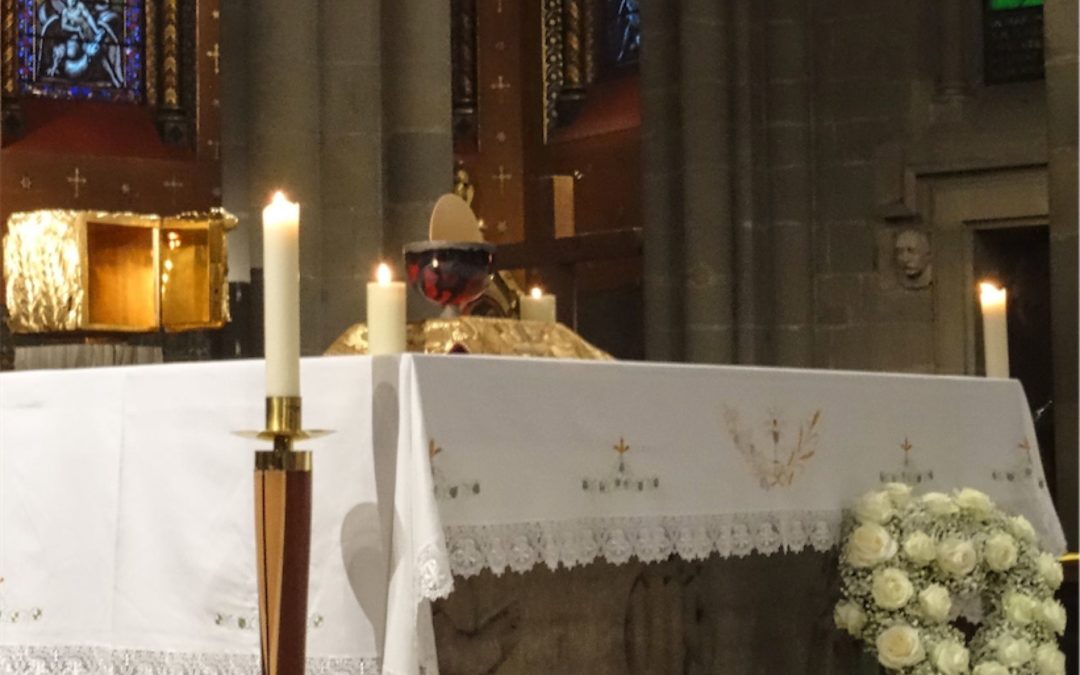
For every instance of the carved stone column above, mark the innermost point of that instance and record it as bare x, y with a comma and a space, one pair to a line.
705, 97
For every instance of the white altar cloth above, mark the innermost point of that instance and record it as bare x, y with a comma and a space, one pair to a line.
126, 520
564, 462
126, 539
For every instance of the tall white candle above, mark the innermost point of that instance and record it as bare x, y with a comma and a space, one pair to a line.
281, 289
538, 306
995, 330
385, 313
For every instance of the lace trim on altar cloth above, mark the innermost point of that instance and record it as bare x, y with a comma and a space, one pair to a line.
81, 660
521, 546
433, 579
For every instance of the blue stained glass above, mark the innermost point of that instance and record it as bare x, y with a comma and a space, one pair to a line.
81, 49
623, 31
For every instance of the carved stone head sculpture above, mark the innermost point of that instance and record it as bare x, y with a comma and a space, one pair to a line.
913, 266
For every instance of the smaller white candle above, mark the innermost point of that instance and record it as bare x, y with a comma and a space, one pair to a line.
995, 330
385, 313
538, 306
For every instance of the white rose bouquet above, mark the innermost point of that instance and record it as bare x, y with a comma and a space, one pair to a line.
908, 561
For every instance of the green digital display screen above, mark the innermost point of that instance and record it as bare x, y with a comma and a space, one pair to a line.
996, 5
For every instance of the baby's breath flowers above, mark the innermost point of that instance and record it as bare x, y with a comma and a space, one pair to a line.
908, 562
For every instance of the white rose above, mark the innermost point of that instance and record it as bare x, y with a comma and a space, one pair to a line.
899, 493
899, 646
869, 545
1050, 570
849, 617
951, 658
957, 556
891, 588
1000, 552
939, 504
990, 668
919, 547
935, 603
1051, 614
874, 507
1022, 529
1012, 652
1049, 660
1019, 609
974, 502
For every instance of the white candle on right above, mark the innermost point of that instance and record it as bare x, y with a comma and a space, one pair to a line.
538, 306
995, 330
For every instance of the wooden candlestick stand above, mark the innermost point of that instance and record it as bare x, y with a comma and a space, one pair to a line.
283, 537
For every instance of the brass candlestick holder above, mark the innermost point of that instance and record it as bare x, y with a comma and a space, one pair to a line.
283, 535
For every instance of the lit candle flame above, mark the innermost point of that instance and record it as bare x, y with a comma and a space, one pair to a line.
279, 198
536, 292
990, 294
382, 274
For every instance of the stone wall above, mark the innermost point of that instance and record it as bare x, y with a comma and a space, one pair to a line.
346, 107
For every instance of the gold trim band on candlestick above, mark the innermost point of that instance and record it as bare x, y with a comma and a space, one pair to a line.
283, 415
291, 460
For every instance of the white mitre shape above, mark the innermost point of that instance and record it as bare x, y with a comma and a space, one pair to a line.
453, 220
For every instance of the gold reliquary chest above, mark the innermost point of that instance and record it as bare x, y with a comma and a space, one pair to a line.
89, 271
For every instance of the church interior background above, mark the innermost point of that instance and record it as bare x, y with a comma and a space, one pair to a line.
798, 183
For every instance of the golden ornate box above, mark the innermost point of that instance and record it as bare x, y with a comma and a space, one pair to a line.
67, 271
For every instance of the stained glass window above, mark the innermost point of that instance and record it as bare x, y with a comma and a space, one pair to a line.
81, 49
1013, 41
622, 32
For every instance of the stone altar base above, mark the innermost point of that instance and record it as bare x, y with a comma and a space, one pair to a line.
744, 616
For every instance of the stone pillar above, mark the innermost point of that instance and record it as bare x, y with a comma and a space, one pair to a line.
235, 191
661, 197
707, 205
283, 141
350, 159
238, 339
417, 140
953, 45
790, 166
1060, 20
751, 198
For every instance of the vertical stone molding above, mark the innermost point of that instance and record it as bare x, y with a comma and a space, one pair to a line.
661, 199
284, 138
417, 138
753, 304
705, 117
790, 166
954, 44
1060, 30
